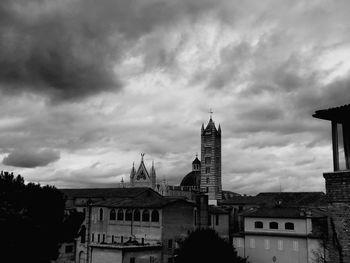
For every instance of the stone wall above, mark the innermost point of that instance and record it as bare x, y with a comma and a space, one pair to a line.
338, 196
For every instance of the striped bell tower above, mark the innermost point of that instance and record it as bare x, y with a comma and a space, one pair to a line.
211, 161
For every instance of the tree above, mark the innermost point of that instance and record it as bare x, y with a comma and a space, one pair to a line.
31, 220
205, 245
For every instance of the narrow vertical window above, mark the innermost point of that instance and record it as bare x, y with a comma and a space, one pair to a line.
280, 244
155, 216
267, 243
252, 243
120, 215
295, 246
217, 220
137, 215
112, 215
101, 214
145, 216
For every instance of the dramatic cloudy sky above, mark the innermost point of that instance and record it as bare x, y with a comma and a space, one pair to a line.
87, 85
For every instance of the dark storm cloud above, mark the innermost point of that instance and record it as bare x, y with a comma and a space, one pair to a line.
31, 158
68, 49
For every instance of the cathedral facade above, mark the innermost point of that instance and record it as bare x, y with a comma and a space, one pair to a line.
205, 176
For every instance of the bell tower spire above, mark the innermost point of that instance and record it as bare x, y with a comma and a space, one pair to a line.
211, 161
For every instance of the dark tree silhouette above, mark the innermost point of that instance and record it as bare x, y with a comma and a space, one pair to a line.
31, 220
205, 245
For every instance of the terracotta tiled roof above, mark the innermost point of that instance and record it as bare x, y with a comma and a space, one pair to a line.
283, 212
217, 210
105, 192
313, 199
141, 202
339, 114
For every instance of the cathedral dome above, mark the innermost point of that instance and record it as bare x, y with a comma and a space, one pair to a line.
191, 179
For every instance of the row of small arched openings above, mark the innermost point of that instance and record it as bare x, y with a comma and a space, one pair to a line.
274, 225
131, 215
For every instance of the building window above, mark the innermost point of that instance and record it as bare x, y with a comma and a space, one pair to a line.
132, 260
295, 246
151, 259
98, 238
101, 214
120, 215
207, 189
137, 215
207, 160
113, 239
289, 226
273, 225
155, 216
112, 215
280, 244
267, 244
170, 243
207, 180
217, 220
207, 170
128, 215
252, 243
209, 220
92, 237
145, 216
68, 249
103, 238
207, 149
259, 224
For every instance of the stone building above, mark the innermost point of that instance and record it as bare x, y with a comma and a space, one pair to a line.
282, 234
338, 184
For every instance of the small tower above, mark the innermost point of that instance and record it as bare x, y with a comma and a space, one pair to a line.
132, 175
153, 176
211, 161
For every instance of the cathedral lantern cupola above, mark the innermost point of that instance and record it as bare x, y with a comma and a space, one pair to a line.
196, 164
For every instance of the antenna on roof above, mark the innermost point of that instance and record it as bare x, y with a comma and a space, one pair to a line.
211, 113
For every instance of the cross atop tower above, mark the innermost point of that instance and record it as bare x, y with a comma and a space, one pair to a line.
211, 113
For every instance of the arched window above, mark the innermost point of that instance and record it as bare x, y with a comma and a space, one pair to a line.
155, 216
128, 215
101, 214
273, 225
112, 215
258, 224
137, 215
120, 215
145, 216
289, 226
